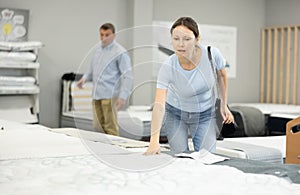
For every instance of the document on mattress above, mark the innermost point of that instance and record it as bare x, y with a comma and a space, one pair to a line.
203, 156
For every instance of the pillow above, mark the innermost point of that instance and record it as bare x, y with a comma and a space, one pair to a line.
17, 56
17, 81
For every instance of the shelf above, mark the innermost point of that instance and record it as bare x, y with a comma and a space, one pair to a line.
10, 90
19, 82
19, 65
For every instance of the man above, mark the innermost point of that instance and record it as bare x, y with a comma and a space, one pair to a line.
111, 73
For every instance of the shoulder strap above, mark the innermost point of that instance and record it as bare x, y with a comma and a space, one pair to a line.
213, 69
209, 54
211, 62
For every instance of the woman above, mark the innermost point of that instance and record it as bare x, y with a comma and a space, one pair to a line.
184, 100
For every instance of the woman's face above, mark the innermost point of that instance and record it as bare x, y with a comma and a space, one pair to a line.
183, 41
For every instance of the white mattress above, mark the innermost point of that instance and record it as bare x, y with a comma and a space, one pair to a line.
17, 81
134, 125
30, 89
19, 141
115, 171
17, 56
19, 64
82, 104
270, 149
79, 114
271, 108
81, 98
143, 115
20, 46
276, 142
285, 115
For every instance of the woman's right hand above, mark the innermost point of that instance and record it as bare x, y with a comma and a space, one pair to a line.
153, 149
156, 123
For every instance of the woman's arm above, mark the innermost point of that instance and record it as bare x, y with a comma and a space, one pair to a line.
222, 81
223, 84
156, 123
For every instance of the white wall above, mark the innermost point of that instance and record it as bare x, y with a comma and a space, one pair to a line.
282, 13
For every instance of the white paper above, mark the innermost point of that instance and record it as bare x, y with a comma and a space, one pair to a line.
203, 156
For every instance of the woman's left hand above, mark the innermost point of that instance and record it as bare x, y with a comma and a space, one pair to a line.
228, 116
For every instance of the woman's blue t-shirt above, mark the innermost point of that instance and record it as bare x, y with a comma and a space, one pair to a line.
190, 90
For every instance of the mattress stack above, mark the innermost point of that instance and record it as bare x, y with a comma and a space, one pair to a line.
19, 85
15, 56
81, 98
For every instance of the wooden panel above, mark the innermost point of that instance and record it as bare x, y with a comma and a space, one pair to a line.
275, 48
262, 67
288, 67
295, 71
269, 61
279, 65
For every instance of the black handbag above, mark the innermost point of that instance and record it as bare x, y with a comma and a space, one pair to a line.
224, 130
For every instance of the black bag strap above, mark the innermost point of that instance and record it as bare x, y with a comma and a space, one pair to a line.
211, 62
215, 74
213, 69
209, 53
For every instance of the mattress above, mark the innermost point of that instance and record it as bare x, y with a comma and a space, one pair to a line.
106, 167
133, 124
17, 81
276, 142
19, 64
270, 149
253, 152
291, 115
30, 89
268, 109
77, 112
81, 99
17, 56
20, 46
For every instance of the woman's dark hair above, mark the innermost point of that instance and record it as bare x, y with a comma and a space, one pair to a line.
107, 26
187, 22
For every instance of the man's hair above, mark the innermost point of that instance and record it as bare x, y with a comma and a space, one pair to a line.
107, 26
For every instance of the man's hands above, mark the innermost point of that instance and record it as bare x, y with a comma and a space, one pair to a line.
120, 103
81, 82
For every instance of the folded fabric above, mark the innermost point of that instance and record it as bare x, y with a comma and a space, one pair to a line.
17, 56
20, 46
16, 81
